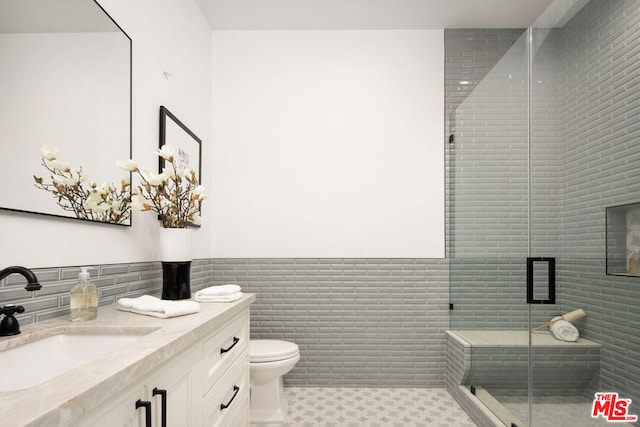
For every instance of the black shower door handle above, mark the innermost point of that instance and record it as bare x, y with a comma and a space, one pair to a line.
551, 281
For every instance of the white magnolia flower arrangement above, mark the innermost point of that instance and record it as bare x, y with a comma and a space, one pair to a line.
89, 201
174, 194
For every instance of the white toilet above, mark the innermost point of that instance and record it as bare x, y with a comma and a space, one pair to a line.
269, 360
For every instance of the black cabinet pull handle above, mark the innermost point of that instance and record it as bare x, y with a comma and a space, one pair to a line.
223, 406
163, 399
236, 340
147, 411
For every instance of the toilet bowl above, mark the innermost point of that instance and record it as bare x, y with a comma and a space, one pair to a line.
269, 360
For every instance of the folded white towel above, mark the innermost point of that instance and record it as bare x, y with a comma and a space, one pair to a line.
154, 306
218, 298
219, 290
564, 331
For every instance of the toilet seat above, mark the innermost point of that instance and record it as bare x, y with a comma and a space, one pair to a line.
271, 350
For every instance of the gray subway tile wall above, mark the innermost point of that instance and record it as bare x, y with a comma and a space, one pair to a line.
112, 280
601, 115
470, 54
358, 322
489, 183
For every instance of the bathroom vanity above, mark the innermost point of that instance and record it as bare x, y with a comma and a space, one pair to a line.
191, 370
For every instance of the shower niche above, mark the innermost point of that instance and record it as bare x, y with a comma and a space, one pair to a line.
623, 239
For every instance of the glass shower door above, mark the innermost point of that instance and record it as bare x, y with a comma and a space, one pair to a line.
489, 232
545, 142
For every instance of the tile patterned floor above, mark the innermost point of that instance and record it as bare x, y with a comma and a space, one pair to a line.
372, 407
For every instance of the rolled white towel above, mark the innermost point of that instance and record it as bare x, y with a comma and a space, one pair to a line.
564, 331
218, 298
219, 290
156, 307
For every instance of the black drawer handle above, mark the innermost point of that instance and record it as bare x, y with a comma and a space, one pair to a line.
223, 406
236, 340
147, 411
163, 398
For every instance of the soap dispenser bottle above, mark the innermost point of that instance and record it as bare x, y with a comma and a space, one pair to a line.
84, 299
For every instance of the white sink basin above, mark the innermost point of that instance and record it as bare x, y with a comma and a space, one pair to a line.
35, 362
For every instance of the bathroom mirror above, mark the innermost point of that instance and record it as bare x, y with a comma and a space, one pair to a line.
65, 79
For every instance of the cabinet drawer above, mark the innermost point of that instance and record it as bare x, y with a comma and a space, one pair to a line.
222, 349
241, 416
229, 396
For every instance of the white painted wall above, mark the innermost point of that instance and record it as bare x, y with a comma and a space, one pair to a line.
168, 35
328, 143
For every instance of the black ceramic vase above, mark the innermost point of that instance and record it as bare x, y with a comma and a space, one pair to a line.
176, 280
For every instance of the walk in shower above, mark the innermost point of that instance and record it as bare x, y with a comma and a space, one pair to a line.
541, 148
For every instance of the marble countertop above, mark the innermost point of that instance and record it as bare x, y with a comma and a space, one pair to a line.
67, 397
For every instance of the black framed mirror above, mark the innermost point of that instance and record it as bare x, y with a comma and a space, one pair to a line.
66, 83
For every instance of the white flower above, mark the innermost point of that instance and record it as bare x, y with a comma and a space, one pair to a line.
169, 171
190, 175
166, 152
180, 172
61, 180
174, 194
48, 152
93, 202
96, 203
116, 207
196, 219
199, 193
128, 165
57, 165
74, 178
106, 188
138, 202
153, 179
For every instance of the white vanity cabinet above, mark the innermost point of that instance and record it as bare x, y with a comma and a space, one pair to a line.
118, 411
174, 400
205, 385
168, 395
225, 379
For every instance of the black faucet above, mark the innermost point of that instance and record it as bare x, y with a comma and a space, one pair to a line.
9, 325
32, 280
